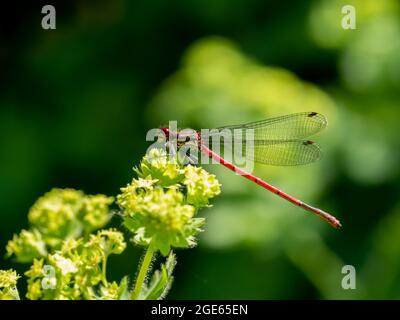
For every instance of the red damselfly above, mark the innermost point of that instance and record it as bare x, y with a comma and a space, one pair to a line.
280, 141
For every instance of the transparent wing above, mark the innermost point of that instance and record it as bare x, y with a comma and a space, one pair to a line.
289, 127
280, 153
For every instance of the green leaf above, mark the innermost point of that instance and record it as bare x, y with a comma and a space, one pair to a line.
140, 239
161, 280
162, 243
170, 263
123, 291
131, 224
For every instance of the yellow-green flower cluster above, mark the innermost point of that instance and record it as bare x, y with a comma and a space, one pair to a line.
54, 214
109, 241
77, 270
157, 165
160, 206
69, 261
94, 213
200, 185
8, 285
26, 246
59, 215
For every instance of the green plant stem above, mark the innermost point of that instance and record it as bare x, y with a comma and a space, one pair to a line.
142, 272
104, 270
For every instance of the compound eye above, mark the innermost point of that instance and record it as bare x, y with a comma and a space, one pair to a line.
187, 139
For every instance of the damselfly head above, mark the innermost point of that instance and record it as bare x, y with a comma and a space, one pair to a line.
165, 131
181, 145
186, 135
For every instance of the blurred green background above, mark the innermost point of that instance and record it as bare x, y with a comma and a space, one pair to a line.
76, 103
